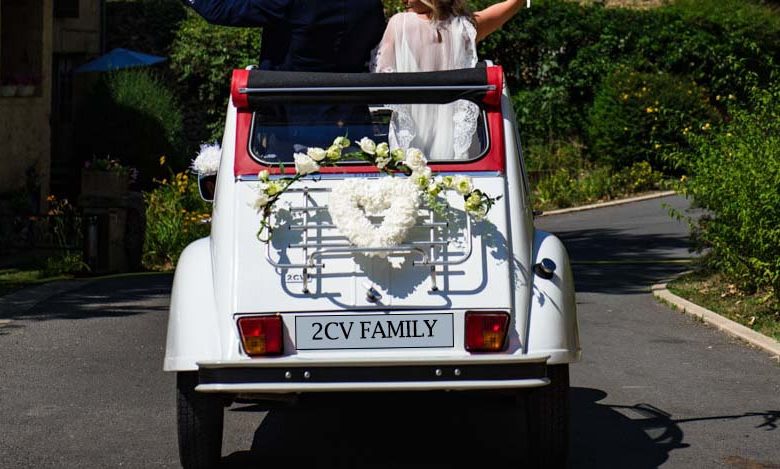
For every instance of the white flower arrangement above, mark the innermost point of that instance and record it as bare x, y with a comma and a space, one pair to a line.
351, 202
207, 161
396, 199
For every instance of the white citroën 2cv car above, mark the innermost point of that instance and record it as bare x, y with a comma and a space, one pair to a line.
304, 298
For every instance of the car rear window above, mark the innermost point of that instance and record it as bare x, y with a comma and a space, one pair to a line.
280, 130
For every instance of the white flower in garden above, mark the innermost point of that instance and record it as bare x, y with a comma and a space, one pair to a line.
462, 185
342, 142
415, 159
304, 164
398, 154
263, 175
333, 152
207, 161
367, 145
383, 150
317, 154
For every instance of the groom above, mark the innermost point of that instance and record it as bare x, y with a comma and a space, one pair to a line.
305, 35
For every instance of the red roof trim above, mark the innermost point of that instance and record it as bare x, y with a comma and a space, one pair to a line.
494, 160
240, 80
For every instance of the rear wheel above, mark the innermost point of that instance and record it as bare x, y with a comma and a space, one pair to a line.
547, 411
200, 419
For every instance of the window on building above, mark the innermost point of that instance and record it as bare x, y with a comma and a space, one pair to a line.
66, 8
21, 47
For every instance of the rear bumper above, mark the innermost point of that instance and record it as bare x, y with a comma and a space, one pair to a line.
297, 377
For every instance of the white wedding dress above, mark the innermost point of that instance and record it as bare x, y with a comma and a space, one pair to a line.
412, 43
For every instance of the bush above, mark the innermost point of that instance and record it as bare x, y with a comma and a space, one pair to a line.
147, 26
735, 176
131, 116
175, 216
203, 57
635, 116
561, 177
564, 50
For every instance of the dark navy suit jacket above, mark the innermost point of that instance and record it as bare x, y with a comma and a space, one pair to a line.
305, 35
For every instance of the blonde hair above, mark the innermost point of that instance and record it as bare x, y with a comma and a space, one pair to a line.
443, 9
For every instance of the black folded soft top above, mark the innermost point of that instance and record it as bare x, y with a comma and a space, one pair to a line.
252, 88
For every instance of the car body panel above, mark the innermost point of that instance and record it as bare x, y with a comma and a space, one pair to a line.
228, 276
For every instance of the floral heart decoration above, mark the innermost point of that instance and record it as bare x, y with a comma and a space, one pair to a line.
353, 201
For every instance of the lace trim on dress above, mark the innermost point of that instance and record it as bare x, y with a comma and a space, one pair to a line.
466, 115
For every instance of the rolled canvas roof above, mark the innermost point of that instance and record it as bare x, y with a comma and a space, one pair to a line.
252, 88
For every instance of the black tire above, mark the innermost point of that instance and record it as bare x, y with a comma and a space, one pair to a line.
547, 411
200, 419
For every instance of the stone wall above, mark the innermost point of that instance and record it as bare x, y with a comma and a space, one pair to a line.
79, 35
24, 120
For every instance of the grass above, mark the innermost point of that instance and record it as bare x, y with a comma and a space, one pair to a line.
13, 279
760, 310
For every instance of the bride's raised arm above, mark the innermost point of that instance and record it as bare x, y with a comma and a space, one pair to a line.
493, 17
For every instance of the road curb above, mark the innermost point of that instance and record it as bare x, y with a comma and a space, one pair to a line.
654, 195
21, 301
728, 326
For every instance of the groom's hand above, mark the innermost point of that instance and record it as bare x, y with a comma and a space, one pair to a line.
240, 12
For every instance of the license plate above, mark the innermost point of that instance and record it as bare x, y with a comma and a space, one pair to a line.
368, 331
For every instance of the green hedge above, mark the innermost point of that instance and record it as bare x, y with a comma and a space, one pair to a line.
133, 117
203, 57
557, 54
734, 174
638, 116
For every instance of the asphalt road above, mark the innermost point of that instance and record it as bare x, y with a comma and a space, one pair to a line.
81, 382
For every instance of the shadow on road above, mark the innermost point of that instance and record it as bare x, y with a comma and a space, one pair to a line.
436, 430
624, 279
116, 297
618, 244
619, 262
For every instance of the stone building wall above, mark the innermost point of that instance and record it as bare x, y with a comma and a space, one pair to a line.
24, 120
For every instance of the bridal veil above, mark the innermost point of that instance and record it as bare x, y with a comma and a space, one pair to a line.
414, 44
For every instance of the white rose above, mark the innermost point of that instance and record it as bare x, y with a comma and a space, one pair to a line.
415, 159
382, 162
422, 177
383, 150
478, 213
462, 185
398, 154
317, 154
304, 164
367, 145
273, 188
261, 201
342, 142
333, 152
263, 175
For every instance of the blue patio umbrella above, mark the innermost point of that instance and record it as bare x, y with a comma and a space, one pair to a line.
119, 58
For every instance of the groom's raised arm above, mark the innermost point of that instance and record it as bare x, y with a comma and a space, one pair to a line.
240, 12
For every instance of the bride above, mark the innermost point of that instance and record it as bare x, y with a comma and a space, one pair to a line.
437, 35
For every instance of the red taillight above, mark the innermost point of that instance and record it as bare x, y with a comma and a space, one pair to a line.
486, 331
261, 335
